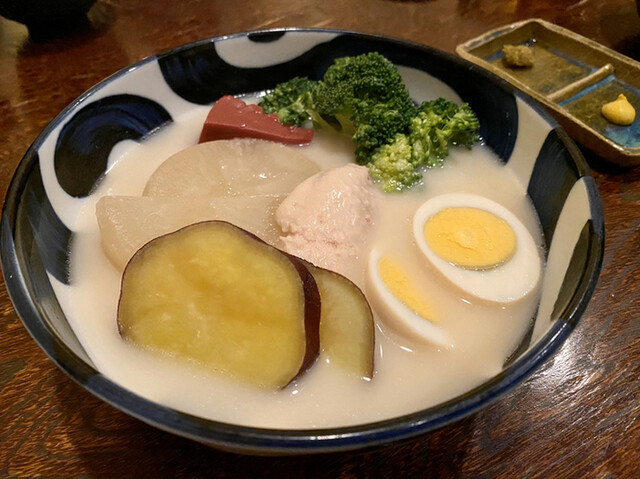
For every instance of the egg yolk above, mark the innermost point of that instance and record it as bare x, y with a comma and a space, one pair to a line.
402, 287
470, 238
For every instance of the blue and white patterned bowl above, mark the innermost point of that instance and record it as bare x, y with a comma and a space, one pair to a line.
70, 156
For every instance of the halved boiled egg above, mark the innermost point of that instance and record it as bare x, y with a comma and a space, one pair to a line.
400, 301
478, 245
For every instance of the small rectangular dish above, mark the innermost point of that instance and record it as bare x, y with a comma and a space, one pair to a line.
573, 77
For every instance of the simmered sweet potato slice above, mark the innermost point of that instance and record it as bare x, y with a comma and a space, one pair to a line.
231, 167
347, 336
217, 295
128, 222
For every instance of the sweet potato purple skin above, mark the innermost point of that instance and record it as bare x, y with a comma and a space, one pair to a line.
312, 314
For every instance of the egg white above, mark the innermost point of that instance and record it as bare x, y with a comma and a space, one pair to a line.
505, 283
397, 315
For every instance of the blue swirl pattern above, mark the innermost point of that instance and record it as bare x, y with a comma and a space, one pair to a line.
52, 238
85, 142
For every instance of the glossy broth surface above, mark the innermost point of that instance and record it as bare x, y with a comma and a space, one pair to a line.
409, 375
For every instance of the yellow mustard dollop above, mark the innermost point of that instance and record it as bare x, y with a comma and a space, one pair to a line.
399, 283
619, 111
470, 238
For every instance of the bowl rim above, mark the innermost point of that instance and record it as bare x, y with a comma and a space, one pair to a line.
247, 439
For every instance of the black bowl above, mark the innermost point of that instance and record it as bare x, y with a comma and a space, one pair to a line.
47, 18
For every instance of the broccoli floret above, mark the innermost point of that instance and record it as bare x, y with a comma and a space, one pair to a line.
429, 145
457, 124
391, 165
382, 126
437, 125
363, 96
463, 127
290, 100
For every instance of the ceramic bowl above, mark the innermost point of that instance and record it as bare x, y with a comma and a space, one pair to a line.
71, 155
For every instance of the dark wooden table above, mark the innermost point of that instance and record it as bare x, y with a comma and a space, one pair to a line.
579, 416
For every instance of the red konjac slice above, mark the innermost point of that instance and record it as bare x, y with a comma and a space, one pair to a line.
232, 118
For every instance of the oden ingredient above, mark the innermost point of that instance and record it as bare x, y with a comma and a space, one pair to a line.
478, 245
243, 167
619, 111
401, 301
362, 96
435, 126
230, 118
365, 97
241, 181
216, 295
470, 238
347, 334
328, 218
128, 222
325, 396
